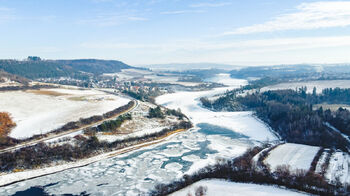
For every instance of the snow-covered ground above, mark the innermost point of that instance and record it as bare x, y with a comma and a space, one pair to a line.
297, 156
35, 112
319, 84
338, 168
226, 188
321, 161
241, 122
215, 135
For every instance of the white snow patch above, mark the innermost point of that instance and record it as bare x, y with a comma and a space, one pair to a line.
226, 188
297, 156
321, 161
319, 84
338, 168
36, 114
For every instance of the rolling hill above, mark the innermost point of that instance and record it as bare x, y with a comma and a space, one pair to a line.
37, 68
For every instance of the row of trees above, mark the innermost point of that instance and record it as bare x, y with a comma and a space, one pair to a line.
38, 155
108, 126
155, 113
158, 113
17, 88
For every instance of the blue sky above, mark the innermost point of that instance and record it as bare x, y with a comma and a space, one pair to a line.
249, 32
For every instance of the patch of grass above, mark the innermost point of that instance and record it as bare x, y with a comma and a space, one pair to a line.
47, 92
81, 98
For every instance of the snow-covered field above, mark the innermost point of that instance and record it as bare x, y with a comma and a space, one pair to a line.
297, 156
339, 168
319, 84
226, 188
40, 112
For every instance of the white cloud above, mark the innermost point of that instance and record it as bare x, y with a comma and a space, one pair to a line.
6, 14
176, 12
307, 16
328, 49
218, 4
258, 45
111, 19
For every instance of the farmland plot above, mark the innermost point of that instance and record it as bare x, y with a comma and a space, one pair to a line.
40, 111
297, 156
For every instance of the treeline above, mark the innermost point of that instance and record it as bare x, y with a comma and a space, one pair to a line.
38, 155
340, 119
155, 113
142, 95
112, 125
158, 113
242, 169
135, 95
33, 87
37, 69
8, 141
108, 126
334, 96
79, 68
290, 113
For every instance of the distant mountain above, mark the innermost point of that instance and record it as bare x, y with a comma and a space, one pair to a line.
34, 67
309, 71
272, 71
189, 66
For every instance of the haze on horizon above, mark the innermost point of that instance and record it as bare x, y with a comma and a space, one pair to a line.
157, 31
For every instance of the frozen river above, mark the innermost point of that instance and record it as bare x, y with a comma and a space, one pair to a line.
215, 135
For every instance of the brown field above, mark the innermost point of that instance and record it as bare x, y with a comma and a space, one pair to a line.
47, 92
6, 124
81, 98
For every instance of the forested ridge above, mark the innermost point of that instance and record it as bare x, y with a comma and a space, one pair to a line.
34, 68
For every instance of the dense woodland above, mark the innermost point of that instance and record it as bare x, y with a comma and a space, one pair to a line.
242, 169
34, 67
155, 113
290, 113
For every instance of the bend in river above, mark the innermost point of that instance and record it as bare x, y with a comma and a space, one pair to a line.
215, 134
